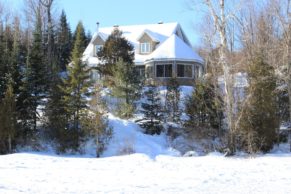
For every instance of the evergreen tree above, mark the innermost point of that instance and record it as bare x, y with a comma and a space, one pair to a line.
64, 42
16, 60
204, 109
152, 110
75, 89
116, 48
126, 87
259, 121
8, 121
6, 41
172, 108
95, 124
57, 119
80, 31
37, 73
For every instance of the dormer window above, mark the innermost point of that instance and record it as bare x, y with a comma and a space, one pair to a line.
145, 47
97, 48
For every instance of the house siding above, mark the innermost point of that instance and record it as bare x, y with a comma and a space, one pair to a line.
150, 71
147, 38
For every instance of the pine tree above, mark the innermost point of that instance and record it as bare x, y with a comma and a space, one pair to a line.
259, 121
172, 108
152, 110
57, 118
6, 42
116, 48
126, 87
204, 109
64, 42
36, 73
8, 121
16, 60
75, 89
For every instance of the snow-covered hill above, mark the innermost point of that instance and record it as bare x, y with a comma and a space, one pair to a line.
40, 173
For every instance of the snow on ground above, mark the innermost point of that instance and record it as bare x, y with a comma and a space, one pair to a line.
128, 138
40, 173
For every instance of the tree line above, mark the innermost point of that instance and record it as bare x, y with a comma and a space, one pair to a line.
46, 92
44, 83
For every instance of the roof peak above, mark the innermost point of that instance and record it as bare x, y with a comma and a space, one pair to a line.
148, 24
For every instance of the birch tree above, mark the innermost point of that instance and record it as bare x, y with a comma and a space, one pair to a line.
221, 19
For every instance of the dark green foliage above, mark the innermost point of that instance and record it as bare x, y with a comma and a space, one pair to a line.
204, 108
80, 31
126, 87
116, 48
8, 122
259, 121
63, 43
75, 89
36, 73
172, 101
56, 115
6, 44
152, 110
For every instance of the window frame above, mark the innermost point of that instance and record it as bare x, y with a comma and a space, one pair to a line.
181, 64
164, 70
145, 47
97, 47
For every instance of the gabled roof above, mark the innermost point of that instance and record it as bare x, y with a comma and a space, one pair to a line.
175, 48
172, 42
153, 35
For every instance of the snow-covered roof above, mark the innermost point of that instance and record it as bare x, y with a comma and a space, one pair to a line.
171, 42
175, 48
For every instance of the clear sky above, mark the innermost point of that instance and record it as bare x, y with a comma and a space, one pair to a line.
127, 12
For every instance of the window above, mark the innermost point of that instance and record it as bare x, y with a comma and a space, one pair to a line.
140, 71
145, 47
197, 71
164, 70
97, 48
184, 70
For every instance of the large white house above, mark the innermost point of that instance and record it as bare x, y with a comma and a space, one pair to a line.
162, 51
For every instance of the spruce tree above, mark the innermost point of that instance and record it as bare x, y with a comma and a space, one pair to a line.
116, 48
152, 110
6, 42
172, 108
63, 42
126, 87
204, 109
8, 121
57, 118
36, 73
75, 89
259, 120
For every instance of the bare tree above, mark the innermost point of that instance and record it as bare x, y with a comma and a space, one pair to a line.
282, 11
221, 18
50, 43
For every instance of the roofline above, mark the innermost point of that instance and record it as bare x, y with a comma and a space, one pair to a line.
174, 59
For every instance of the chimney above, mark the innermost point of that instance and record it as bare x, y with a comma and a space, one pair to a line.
97, 30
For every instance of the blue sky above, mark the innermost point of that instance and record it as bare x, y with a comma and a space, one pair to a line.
128, 12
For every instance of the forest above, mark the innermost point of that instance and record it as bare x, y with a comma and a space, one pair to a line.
46, 94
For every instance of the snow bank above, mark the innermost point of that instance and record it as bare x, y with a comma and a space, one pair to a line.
128, 138
35, 173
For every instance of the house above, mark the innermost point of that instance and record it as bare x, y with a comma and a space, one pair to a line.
162, 51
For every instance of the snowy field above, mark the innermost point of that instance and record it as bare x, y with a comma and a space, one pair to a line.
154, 168
138, 173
